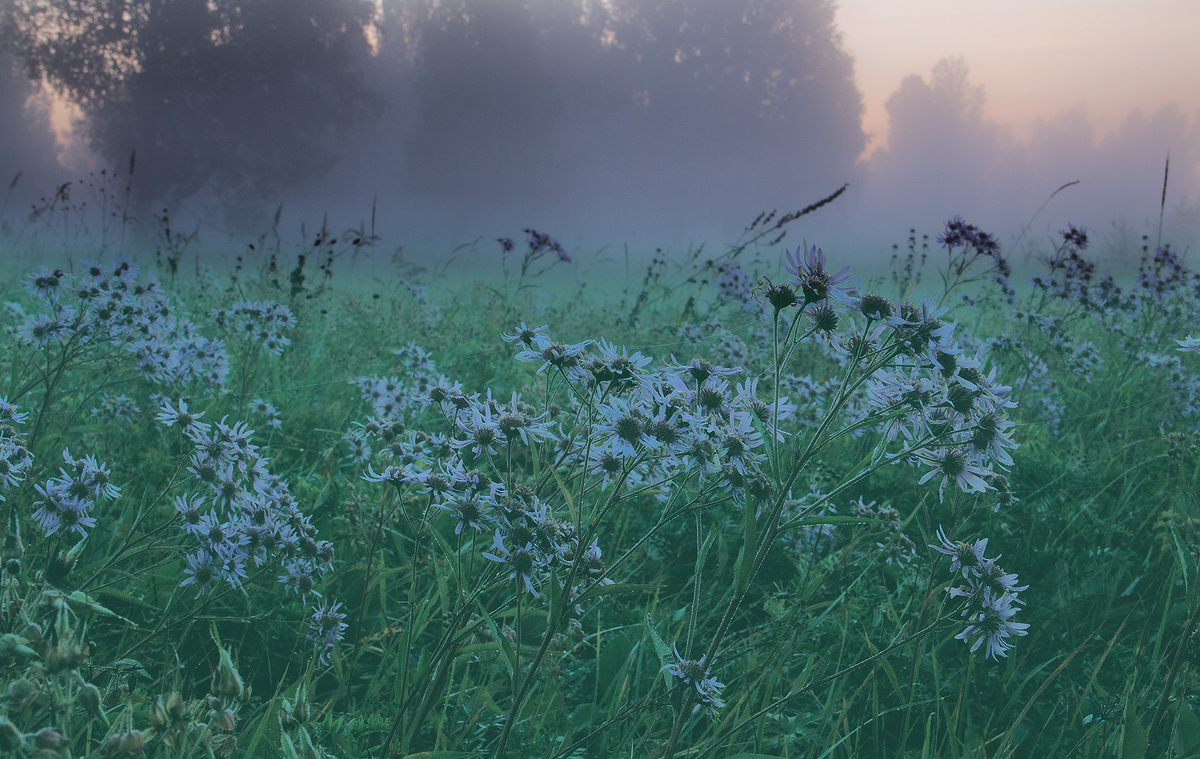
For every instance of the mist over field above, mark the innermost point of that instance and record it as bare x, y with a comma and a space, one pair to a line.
612, 124
587, 378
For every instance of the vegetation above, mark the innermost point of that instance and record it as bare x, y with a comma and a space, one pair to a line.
740, 510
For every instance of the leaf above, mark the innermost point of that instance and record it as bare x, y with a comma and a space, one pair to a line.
510, 658
121, 595
451, 554
665, 656
599, 591
1189, 730
1183, 557
1136, 742
749, 547
814, 521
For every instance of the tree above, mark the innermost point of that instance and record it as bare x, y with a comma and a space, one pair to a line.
637, 98
244, 96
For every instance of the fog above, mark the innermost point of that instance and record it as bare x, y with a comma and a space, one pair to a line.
627, 124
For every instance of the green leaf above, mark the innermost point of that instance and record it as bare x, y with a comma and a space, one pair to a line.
506, 651
749, 547
813, 521
451, 554
661, 648
599, 591
1189, 730
1136, 742
121, 595
1183, 557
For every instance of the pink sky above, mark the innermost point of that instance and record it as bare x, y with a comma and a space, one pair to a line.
1034, 57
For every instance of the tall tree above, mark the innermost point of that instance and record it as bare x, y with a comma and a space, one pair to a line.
662, 93
245, 96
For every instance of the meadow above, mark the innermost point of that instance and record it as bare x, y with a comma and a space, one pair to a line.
752, 504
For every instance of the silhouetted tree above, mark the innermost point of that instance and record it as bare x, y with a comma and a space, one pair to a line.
517, 97
246, 96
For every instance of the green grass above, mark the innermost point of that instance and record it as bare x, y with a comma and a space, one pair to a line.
828, 651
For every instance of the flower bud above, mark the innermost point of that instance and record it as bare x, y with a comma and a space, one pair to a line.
224, 720
19, 690
228, 682
49, 739
112, 746
132, 742
167, 712
89, 696
10, 737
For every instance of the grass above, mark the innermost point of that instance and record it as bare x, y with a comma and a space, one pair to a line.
828, 627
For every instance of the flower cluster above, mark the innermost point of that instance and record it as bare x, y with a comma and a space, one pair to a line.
106, 304
990, 593
242, 515
541, 243
1163, 273
393, 397
261, 322
942, 403
734, 285
959, 233
326, 627
267, 411
15, 458
117, 408
68, 499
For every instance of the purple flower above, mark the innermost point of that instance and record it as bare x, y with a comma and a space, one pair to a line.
966, 558
695, 674
992, 623
816, 283
326, 627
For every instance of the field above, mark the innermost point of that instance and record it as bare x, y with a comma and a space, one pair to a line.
732, 509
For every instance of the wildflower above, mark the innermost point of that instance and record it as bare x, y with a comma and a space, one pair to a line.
326, 626
738, 441
522, 561
188, 506
298, 578
623, 428
779, 296
482, 433
200, 571
1189, 343
9, 413
992, 623
700, 370
824, 318
527, 336
179, 416
816, 283
695, 674
967, 558
268, 411
471, 512
953, 463
606, 463
1076, 237
876, 307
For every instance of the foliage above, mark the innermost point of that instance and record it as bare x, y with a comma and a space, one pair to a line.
764, 519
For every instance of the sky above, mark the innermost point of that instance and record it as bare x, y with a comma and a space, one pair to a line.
1035, 58
664, 125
